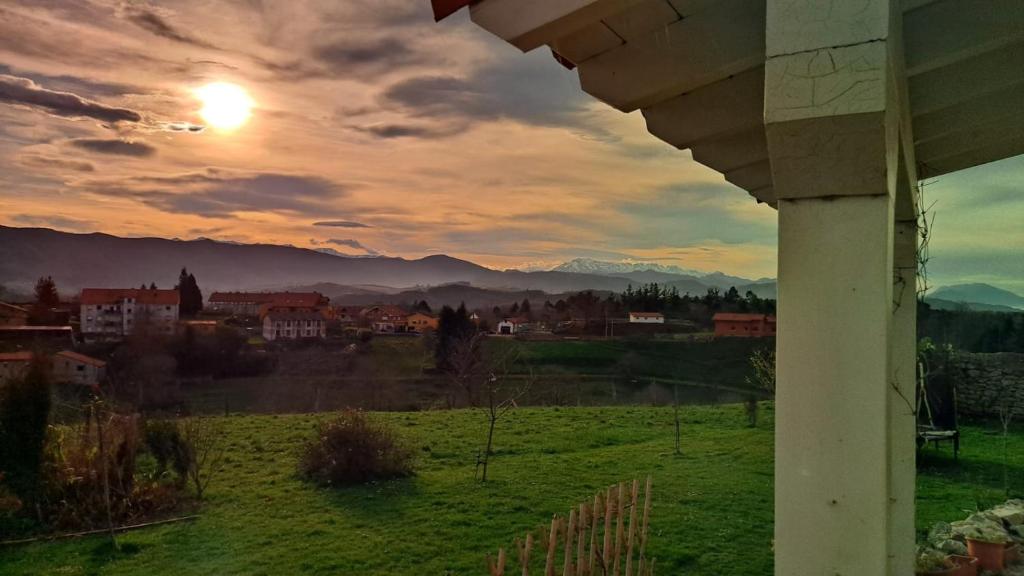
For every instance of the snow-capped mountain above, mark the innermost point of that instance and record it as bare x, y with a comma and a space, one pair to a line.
592, 266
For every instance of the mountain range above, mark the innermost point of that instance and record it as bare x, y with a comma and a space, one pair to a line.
101, 260
977, 296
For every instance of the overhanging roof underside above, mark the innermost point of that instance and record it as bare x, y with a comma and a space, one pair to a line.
695, 69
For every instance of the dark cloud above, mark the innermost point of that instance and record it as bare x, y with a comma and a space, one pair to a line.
351, 243
215, 193
520, 88
149, 20
25, 92
388, 131
62, 222
369, 57
115, 146
341, 224
40, 161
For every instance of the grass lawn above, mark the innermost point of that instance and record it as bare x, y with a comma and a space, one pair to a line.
712, 510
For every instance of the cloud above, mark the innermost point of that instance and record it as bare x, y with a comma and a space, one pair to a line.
150, 20
341, 224
388, 131
369, 57
216, 193
115, 146
63, 222
40, 161
25, 92
351, 243
520, 88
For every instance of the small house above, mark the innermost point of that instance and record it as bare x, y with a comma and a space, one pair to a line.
646, 318
74, 368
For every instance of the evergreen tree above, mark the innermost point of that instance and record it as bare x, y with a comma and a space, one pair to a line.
46, 293
453, 326
423, 306
191, 298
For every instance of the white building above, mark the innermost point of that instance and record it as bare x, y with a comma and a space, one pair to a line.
646, 318
293, 325
510, 326
118, 312
74, 368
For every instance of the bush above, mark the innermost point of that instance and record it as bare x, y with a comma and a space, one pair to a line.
353, 449
171, 452
24, 416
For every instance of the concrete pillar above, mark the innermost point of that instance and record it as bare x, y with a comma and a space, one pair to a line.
832, 420
902, 421
843, 459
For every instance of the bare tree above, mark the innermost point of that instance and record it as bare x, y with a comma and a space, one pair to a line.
762, 362
489, 384
204, 437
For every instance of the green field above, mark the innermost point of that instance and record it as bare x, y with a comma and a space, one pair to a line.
712, 513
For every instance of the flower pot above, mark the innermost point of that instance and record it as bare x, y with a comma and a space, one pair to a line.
965, 565
940, 572
990, 555
1012, 553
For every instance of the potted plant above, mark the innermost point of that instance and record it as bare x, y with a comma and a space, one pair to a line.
965, 565
931, 562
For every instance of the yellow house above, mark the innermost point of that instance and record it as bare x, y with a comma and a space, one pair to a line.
418, 322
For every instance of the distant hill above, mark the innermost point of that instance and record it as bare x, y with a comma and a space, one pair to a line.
99, 260
940, 304
437, 296
102, 260
979, 294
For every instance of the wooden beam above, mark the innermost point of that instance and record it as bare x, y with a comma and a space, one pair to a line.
986, 109
1012, 146
586, 43
971, 137
641, 19
733, 105
732, 152
944, 33
753, 177
967, 79
679, 58
529, 24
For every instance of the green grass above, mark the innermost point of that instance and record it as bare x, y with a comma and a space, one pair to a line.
712, 511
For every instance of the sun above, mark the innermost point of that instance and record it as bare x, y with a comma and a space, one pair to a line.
226, 106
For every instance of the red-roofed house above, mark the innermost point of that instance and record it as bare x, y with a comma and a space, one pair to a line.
250, 303
122, 311
74, 368
744, 325
11, 315
386, 318
293, 324
13, 365
646, 318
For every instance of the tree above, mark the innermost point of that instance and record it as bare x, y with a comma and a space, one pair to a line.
423, 306
204, 438
189, 293
452, 326
24, 415
46, 293
762, 362
489, 385
524, 308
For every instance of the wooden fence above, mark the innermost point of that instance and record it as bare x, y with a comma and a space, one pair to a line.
606, 537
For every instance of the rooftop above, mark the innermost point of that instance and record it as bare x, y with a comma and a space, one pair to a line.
118, 295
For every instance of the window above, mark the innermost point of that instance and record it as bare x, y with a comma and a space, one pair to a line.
80, 368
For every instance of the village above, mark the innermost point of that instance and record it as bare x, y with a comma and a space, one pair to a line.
107, 315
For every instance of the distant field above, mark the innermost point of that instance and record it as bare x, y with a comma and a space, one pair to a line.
396, 373
712, 513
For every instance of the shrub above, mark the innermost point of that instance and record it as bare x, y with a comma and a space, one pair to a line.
171, 452
353, 449
24, 415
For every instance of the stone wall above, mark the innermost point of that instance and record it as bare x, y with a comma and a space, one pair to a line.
986, 381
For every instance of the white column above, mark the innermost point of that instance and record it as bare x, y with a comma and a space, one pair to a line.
843, 455
832, 419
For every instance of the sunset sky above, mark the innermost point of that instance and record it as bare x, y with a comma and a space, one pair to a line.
375, 131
